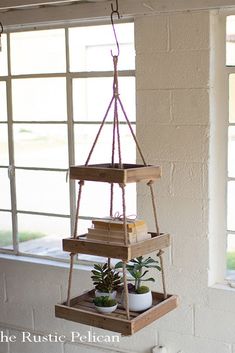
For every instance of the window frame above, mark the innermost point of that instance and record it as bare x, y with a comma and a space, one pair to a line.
70, 123
230, 69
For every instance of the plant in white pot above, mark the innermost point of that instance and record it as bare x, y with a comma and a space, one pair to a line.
105, 305
140, 297
106, 281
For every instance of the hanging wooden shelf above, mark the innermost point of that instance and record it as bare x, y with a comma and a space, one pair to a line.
81, 308
117, 251
130, 173
83, 311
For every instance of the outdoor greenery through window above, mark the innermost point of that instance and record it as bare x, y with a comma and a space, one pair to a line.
55, 86
230, 61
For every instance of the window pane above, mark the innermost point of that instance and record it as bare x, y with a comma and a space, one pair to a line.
46, 99
91, 97
43, 235
231, 207
90, 47
5, 230
42, 191
38, 52
231, 256
4, 157
3, 56
41, 145
3, 102
5, 199
232, 98
230, 40
231, 151
93, 191
85, 135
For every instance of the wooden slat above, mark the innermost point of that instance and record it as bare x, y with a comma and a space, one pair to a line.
94, 319
120, 310
150, 245
116, 251
105, 173
84, 313
154, 313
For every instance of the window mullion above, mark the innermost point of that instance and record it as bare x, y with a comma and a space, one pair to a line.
69, 91
11, 154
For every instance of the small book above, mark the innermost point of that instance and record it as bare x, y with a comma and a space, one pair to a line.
109, 223
110, 240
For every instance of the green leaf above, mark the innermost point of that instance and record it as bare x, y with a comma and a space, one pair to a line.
151, 279
119, 264
144, 273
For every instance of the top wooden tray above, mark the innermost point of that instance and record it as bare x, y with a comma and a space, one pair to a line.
130, 173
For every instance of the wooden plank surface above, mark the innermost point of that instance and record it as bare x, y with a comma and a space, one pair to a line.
154, 313
105, 173
116, 251
84, 312
95, 319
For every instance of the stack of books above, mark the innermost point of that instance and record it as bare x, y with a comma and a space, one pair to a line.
109, 230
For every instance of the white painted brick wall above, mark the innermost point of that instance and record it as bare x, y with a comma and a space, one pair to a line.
173, 85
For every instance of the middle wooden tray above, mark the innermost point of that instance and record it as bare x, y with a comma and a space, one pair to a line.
117, 251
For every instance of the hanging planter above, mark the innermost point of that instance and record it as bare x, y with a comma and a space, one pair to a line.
127, 317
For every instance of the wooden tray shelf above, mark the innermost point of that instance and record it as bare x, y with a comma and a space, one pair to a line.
82, 310
130, 173
117, 251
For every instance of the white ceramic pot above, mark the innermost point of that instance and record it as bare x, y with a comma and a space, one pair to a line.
111, 295
140, 302
106, 309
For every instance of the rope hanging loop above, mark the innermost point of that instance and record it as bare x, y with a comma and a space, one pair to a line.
115, 77
113, 13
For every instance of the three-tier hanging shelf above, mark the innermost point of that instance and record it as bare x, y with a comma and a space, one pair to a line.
81, 309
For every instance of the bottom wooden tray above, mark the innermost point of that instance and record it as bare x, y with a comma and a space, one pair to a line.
82, 310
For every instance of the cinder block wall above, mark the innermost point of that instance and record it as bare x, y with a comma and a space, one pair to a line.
173, 86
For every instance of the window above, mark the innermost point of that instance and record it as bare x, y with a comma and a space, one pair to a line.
55, 86
230, 62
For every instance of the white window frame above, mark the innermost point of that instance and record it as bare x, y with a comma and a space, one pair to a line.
218, 168
69, 76
229, 70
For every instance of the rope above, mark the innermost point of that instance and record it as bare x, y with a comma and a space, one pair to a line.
150, 184
132, 132
99, 131
122, 186
160, 253
81, 183
118, 135
126, 297
70, 278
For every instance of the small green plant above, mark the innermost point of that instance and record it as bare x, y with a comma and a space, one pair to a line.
136, 269
105, 279
104, 301
142, 290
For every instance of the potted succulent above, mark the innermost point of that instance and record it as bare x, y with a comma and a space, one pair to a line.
106, 281
105, 304
140, 296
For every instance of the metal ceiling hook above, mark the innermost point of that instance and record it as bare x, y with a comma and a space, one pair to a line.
115, 12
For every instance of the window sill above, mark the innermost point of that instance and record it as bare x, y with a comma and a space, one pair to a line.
227, 286
43, 261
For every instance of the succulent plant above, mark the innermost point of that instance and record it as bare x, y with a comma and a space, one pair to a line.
104, 301
135, 268
105, 279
